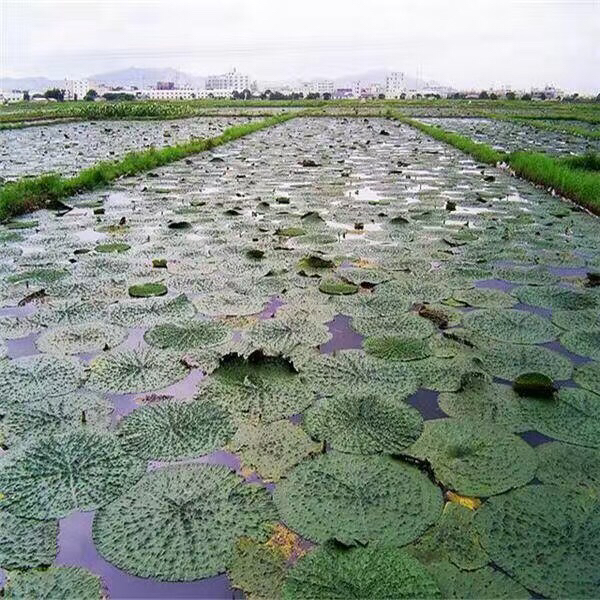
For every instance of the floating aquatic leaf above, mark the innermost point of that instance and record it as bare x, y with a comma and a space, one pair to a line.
484, 298
572, 466
141, 370
257, 388
147, 313
272, 449
54, 414
175, 430
335, 287
584, 401
180, 523
76, 339
588, 377
396, 348
474, 458
362, 421
26, 543
348, 498
229, 302
557, 526
515, 326
347, 370
147, 290
34, 377
453, 538
556, 297
586, 319
53, 583
408, 325
583, 342
184, 337
375, 571
54, 475
443, 374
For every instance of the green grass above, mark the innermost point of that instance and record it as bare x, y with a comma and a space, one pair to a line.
587, 162
479, 151
29, 194
568, 179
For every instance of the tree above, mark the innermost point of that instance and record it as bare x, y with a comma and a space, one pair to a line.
313, 96
510, 95
493, 96
90, 96
56, 94
26, 97
483, 95
246, 94
381, 96
598, 98
326, 96
526, 97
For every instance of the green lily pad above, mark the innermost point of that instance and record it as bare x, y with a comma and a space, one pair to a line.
555, 297
396, 348
272, 449
113, 247
348, 498
26, 543
572, 466
585, 343
361, 421
534, 384
180, 523
53, 583
408, 325
336, 287
515, 326
175, 430
484, 298
54, 475
147, 290
332, 571
76, 339
184, 337
586, 319
588, 377
584, 401
474, 458
147, 313
127, 371
557, 526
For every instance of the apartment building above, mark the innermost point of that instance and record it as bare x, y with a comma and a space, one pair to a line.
228, 81
76, 89
394, 85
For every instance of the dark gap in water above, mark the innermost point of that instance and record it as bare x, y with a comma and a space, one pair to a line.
343, 336
270, 309
18, 311
535, 438
496, 284
536, 310
426, 402
568, 271
574, 358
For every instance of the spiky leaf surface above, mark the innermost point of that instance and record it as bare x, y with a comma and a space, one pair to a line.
75, 339
584, 401
54, 583
69, 312
180, 523
55, 414
515, 326
347, 370
453, 538
443, 374
258, 569
572, 466
475, 585
175, 430
54, 475
408, 325
585, 319
229, 303
376, 571
150, 312
257, 389
473, 458
26, 543
140, 370
585, 343
348, 498
557, 526
484, 298
508, 361
556, 297
272, 449
35, 377
184, 337
588, 377
363, 422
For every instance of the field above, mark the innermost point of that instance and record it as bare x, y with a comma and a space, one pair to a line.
342, 352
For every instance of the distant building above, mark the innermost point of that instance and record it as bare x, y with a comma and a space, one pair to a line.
12, 96
228, 81
395, 85
341, 93
187, 93
165, 85
76, 89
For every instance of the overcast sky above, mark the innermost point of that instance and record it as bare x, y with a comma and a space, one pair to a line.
463, 43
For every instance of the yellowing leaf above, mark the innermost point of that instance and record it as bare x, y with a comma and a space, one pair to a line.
468, 502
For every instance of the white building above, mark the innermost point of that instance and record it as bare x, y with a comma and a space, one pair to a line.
318, 86
394, 85
228, 81
183, 94
12, 96
76, 89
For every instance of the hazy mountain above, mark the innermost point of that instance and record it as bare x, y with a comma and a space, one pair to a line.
32, 84
142, 77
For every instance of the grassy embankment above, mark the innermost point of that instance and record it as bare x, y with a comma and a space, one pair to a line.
29, 194
576, 178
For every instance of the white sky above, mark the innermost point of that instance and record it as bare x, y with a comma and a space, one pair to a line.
464, 43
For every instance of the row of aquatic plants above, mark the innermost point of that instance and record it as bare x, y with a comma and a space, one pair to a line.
592, 134
29, 194
575, 178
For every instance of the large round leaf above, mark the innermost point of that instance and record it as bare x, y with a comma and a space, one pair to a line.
180, 523
473, 458
572, 466
54, 475
358, 499
185, 337
76, 339
547, 537
583, 342
26, 543
332, 571
556, 297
